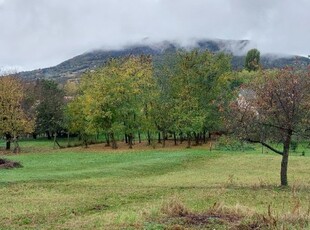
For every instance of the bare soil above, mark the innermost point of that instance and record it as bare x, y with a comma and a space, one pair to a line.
169, 145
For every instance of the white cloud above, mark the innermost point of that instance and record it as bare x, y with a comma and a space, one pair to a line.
40, 33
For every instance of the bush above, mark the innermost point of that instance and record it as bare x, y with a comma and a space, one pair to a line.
294, 145
226, 143
7, 164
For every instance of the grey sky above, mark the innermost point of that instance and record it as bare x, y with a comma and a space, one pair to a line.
41, 33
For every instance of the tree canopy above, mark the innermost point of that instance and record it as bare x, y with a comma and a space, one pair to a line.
252, 60
49, 107
13, 119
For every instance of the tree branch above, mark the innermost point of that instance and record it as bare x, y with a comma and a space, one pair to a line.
266, 145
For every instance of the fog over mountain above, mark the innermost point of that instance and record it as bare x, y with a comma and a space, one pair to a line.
41, 33
72, 68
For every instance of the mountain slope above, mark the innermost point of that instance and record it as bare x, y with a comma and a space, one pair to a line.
74, 67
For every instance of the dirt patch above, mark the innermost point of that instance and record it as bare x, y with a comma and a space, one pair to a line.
177, 216
203, 220
222, 219
8, 164
207, 218
123, 147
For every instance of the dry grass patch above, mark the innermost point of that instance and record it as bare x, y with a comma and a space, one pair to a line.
175, 215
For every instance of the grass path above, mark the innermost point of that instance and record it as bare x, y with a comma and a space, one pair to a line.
85, 189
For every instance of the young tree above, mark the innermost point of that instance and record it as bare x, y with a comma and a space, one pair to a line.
13, 119
273, 107
49, 109
252, 60
78, 118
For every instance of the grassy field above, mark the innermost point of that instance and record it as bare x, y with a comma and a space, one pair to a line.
194, 188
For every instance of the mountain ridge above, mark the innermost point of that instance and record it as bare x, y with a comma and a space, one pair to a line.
72, 68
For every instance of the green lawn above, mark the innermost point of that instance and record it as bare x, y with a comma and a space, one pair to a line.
85, 189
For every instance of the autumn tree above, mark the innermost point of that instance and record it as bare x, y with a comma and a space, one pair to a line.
13, 119
118, 96
252, 60
272, 108
78, 118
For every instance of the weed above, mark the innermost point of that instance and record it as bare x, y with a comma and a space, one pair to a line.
230, 180
174, 207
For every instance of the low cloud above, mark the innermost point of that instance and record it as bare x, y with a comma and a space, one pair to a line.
41, 33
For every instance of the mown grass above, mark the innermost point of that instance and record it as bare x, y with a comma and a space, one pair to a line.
85, 189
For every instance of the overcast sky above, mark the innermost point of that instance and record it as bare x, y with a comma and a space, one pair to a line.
42, 33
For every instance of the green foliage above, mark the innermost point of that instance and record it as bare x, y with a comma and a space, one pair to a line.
114, 99
227, 143
50, 107
183, 94
252, 60
294, 146
192, 88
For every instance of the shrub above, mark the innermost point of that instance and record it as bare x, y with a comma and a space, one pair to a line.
294, 145
7, 164
226, 143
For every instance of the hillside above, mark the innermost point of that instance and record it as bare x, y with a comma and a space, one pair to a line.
74, 67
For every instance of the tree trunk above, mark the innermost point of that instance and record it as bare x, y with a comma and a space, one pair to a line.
48, 135
159, 138
139, 136
55, 136
130, 140
204, 137
181, 138
107, 140
114, 144
175, 138
284, 162
149, 137
85, 143
126, 138
189, 140
34, 135
16, 148
68, 139
8, 138
196, 135
164, 139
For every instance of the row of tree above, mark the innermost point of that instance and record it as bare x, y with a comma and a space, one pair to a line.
186, 95
180, 96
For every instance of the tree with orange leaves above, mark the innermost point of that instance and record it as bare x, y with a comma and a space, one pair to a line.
13, 119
